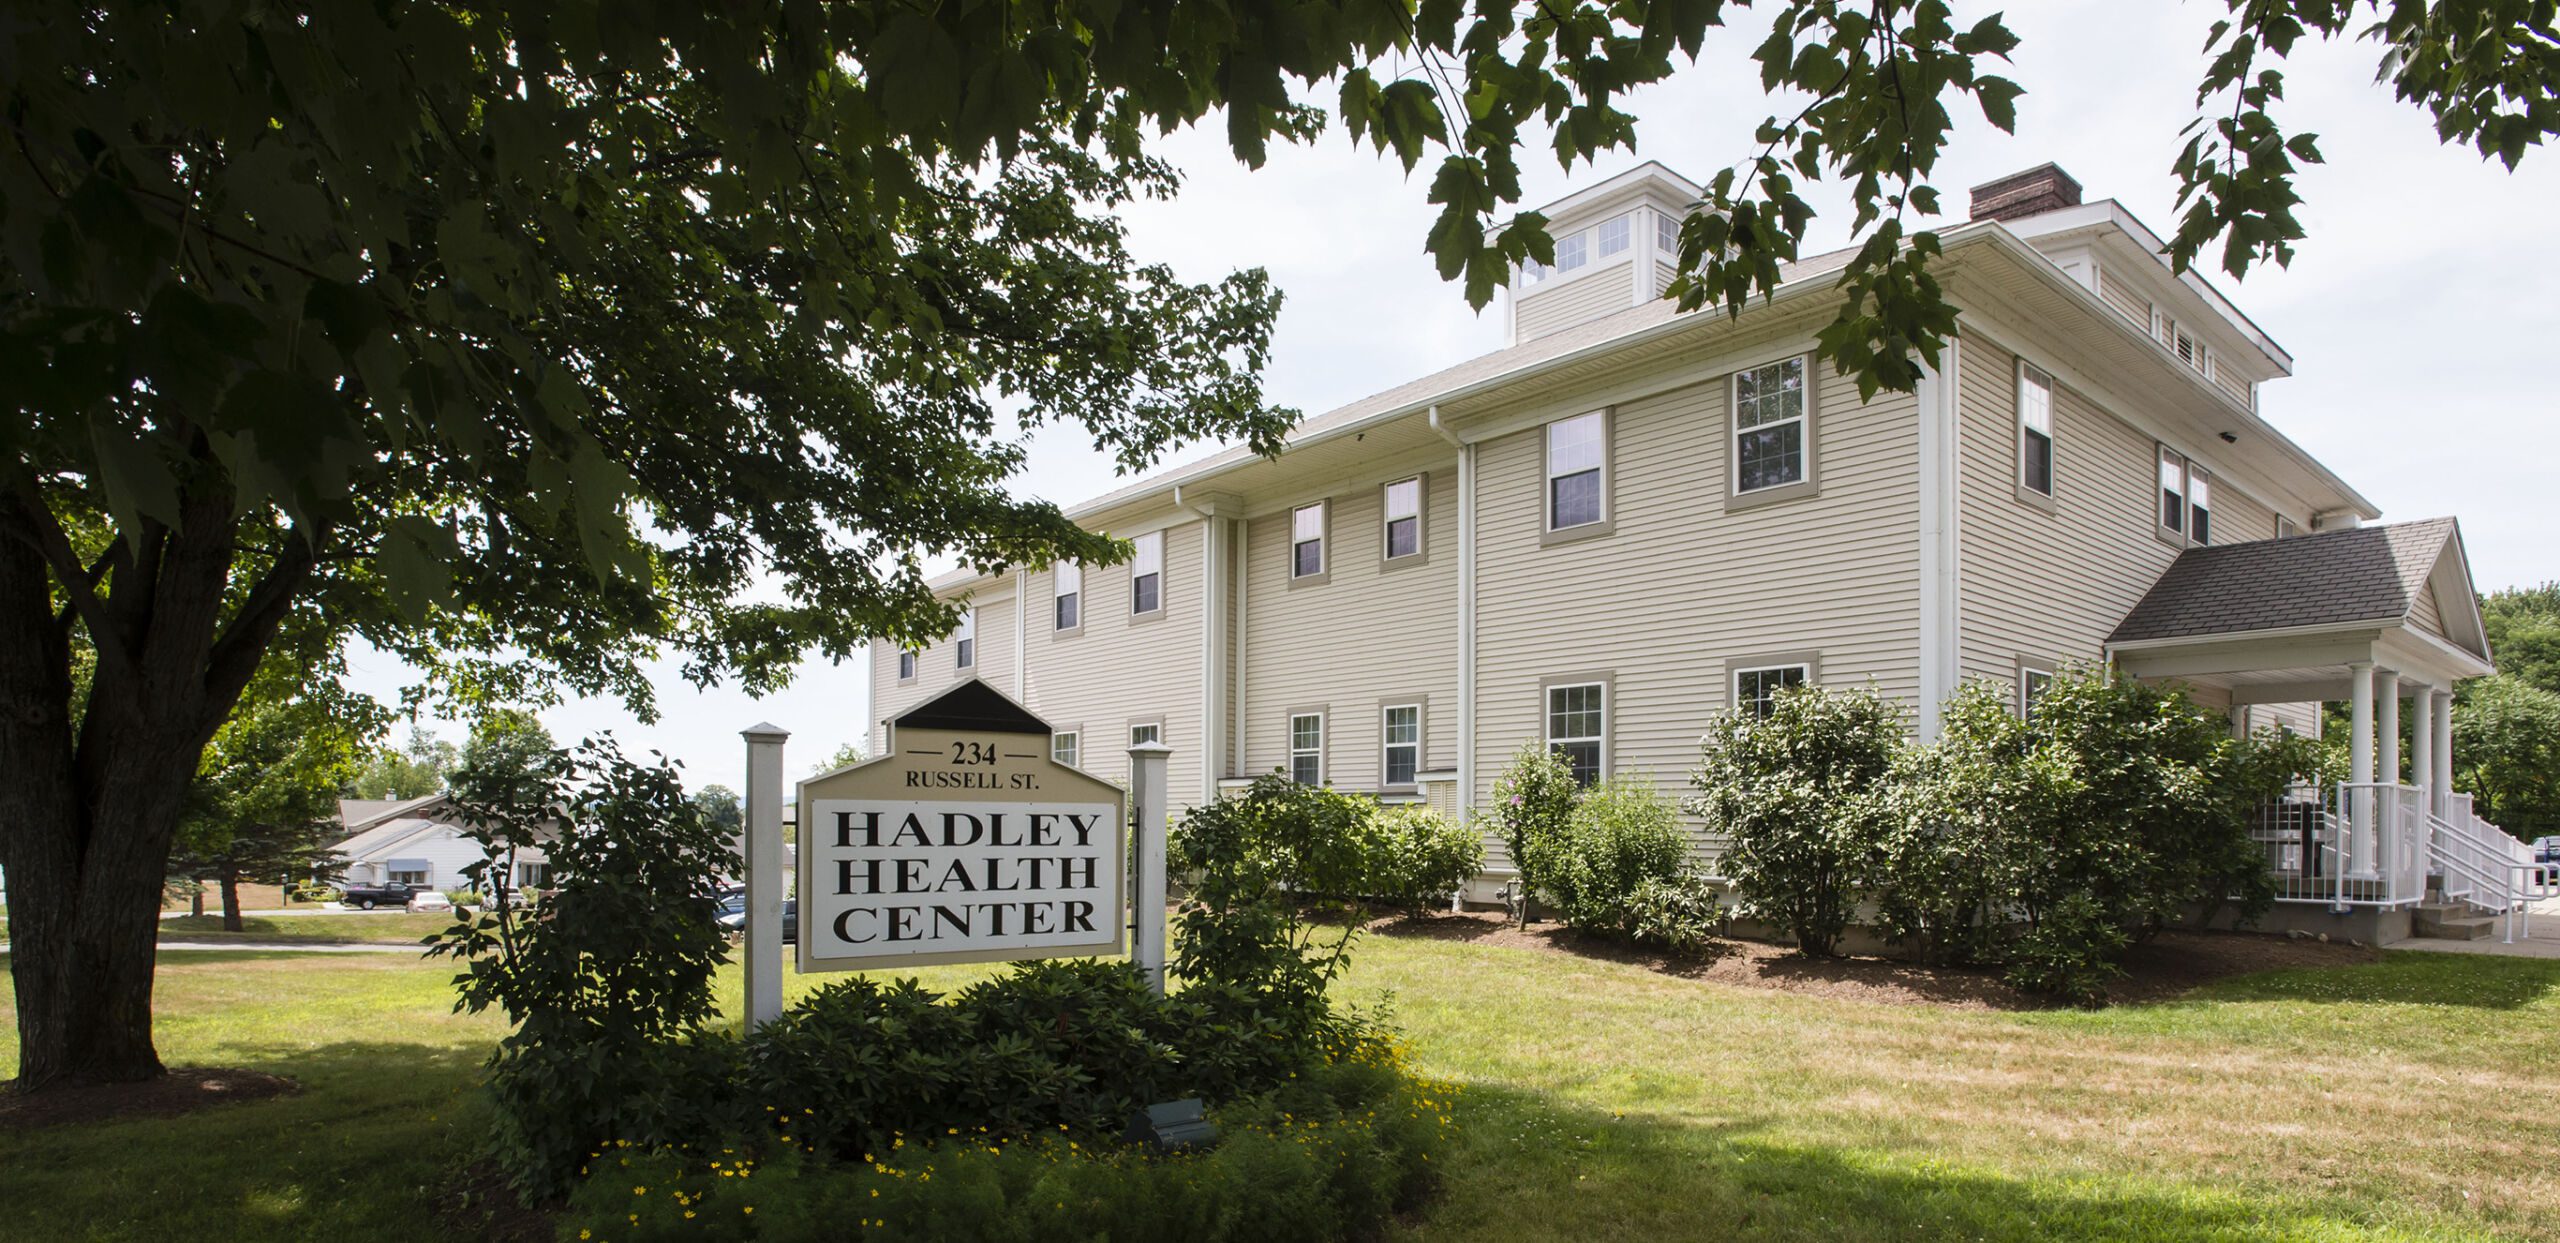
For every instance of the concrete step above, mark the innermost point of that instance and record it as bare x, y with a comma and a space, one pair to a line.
2451, 921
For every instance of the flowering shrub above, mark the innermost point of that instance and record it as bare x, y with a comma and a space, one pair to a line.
1620, 837
1326, 1156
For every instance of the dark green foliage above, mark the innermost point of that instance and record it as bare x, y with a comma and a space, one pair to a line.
721, 806
1533, 802
1682, 914
607, 984
2506, 753
1621, 837
2523, 625
1418, 857
1798, 796
416, 769
507, 758
1327, 1156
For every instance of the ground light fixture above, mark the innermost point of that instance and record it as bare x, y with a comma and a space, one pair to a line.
1172, 1126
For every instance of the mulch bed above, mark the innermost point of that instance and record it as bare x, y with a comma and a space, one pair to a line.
181, 1091
2170, 964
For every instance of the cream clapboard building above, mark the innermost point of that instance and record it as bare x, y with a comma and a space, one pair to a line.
1631, 518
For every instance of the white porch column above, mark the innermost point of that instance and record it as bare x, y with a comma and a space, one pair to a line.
2443, 714
1147, 857
2359, 807
2386, 698
763, 833
2422, 743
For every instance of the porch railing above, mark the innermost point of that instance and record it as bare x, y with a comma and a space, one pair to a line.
2478, 863
2354, 844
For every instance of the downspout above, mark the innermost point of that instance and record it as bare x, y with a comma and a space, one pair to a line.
1466, 609
1940, 652
1213, 680
1022, 637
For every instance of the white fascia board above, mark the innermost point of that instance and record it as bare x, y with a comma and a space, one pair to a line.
2110, 212
1629, 184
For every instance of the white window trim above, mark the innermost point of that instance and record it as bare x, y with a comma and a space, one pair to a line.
1058, 591
1806, 484
1549, 533
907, 666
2028, 669
2160, 455
1074, 740
1135, 726
1387, 518
2029, 377
1142, 545
1323, 572
1387, 747
1608, 706
964, 641
1735, 674
1318, 716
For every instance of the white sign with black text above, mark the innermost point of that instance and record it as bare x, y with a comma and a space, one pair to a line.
910, 881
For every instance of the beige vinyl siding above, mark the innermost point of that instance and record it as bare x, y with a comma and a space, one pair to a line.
2425, 613
1366, 635
937, 667
2238, 517
1560, 302
1122, 669
2232, 383
2050, 584
2298, 718
1681, 586
1239, 602
2125, 300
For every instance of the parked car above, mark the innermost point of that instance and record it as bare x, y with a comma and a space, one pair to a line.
367, 897
427, 900
733, 919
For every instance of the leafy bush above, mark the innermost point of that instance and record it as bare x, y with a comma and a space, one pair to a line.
1799, 796
1533, 799
1621, 835
1419, 857
610, 987
1328, 1156
1682, 914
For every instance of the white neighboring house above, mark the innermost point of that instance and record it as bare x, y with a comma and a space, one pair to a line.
418, 842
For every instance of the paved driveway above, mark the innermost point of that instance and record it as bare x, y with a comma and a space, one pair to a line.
2535, 937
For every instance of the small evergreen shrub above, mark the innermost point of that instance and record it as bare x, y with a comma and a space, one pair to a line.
1680, 915
1621, 836
1799, 795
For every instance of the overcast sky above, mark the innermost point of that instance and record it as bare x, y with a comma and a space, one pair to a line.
2420, 312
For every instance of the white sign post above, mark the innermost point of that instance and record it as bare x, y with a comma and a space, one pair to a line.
763, 858
1147, 890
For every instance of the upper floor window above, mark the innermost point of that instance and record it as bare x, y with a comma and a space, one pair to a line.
1666, 234
1306, 541
906, 666
2199, 505
2173, 492
2189, 348
1577, 722
1063, 747
1402, 729
1769, 419
1614, 236
1573, 251
1403, 526
1146, 573
1306, 748
1756, 690
965, 639
2032, 684
2035, 430
1577, 453
1532, 271
1070, 593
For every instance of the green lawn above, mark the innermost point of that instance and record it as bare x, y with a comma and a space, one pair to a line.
2417, 1098
398, 929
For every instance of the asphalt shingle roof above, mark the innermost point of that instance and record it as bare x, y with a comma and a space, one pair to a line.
2328, 578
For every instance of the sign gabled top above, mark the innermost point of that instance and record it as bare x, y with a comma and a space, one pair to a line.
972, 707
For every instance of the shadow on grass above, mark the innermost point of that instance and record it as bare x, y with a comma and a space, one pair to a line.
2406, 978
1524, 1168
370, 1148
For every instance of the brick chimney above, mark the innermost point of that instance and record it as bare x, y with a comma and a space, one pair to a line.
2034, 192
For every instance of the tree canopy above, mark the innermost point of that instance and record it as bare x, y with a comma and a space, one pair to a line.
416, 769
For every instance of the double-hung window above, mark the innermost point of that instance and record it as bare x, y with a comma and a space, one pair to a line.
1756, 690
907, 666
1613, 236
965, 639
1063, 747
1573, 251
1577, 725
1070, 593
2032, 682
1577, 462
2035, 430
1771, 418
1403, 526
1146, 574
1306, 748
2199, 505
1401, 726
2173, 492
1306, 541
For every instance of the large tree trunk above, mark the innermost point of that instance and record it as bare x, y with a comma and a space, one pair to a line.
231, 900
87, 813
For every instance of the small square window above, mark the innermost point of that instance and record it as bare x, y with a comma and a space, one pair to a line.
1577, 717
1769, 416
1573, 252
1141, 735
1306, 541
1403, 525
1402, 729
1063, 747
1756, 690
1306, 748
1146, 573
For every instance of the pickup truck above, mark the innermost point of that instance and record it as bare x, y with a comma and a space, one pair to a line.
367, 897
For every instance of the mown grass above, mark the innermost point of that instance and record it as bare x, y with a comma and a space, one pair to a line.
2408, 1099
399, 929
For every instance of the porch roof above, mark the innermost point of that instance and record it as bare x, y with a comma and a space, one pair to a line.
2299, 611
